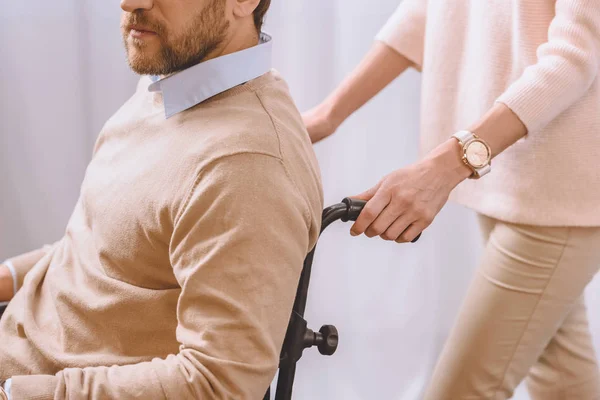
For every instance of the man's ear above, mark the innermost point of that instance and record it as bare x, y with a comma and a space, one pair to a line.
244, 8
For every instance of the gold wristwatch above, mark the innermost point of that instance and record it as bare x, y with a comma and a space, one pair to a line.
476, 153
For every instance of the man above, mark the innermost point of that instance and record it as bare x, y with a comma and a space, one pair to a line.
177, 273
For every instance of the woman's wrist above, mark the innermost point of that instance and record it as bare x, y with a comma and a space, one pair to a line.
499, 128
447, 160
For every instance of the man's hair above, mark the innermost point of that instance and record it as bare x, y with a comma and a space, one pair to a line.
259, 13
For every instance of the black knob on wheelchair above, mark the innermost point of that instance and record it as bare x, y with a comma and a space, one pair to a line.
327, 340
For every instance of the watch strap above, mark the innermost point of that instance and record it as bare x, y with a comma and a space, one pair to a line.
464, 136
479, 172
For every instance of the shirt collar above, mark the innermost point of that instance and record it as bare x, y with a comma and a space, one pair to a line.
196, 84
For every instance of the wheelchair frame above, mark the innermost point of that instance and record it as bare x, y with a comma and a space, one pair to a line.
299, 336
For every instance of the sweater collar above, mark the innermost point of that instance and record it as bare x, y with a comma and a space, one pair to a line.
196, 84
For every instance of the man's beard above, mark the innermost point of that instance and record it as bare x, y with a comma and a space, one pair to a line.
177, 52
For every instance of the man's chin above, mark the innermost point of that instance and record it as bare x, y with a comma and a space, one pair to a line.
143, 63
144, 69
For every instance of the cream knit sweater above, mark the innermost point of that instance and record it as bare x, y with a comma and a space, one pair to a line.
178, 270
541, 59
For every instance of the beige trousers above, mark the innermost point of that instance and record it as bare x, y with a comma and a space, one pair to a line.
524, 317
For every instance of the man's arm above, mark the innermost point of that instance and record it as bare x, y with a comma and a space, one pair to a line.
399, 46
237, 252
13, 271
8, 282
5, 390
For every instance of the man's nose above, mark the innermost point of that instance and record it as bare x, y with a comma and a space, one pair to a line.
132, 5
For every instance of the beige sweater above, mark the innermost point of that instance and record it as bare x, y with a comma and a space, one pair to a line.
541, 59
179, 267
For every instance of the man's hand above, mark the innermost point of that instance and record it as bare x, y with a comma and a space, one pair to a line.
6, 284
406, 201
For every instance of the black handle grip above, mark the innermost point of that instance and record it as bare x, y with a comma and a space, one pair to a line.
353, 209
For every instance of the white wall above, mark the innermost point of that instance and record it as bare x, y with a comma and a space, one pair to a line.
62, 73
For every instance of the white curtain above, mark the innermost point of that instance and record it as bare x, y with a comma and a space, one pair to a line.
62, 73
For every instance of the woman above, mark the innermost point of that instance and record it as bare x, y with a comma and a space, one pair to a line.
515, 81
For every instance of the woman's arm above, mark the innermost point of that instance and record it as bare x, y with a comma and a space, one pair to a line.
405, 202
379, 67
399, 46
566, 67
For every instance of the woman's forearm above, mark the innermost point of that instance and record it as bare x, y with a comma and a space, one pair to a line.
500, 128
379, 67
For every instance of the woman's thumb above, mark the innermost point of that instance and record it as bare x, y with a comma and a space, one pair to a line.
368, 195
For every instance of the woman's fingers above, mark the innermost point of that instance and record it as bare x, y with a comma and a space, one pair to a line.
404, 203
396, 229
382, 222
412, 232
369, 194
370, 213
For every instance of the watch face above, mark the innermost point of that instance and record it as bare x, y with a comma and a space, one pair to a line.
477, 154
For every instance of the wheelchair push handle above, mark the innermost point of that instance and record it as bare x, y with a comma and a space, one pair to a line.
353, 209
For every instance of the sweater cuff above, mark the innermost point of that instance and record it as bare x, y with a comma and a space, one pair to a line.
33, 387
405, 31
533, 101
543, 92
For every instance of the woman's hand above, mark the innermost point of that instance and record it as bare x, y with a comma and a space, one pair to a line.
405, 203
319, 123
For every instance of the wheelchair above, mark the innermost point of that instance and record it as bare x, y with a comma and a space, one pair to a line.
298, 336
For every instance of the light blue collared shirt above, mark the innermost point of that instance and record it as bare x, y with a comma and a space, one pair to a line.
196, 84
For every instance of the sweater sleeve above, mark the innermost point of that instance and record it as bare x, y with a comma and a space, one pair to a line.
237, 251
566, 66
405, 30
